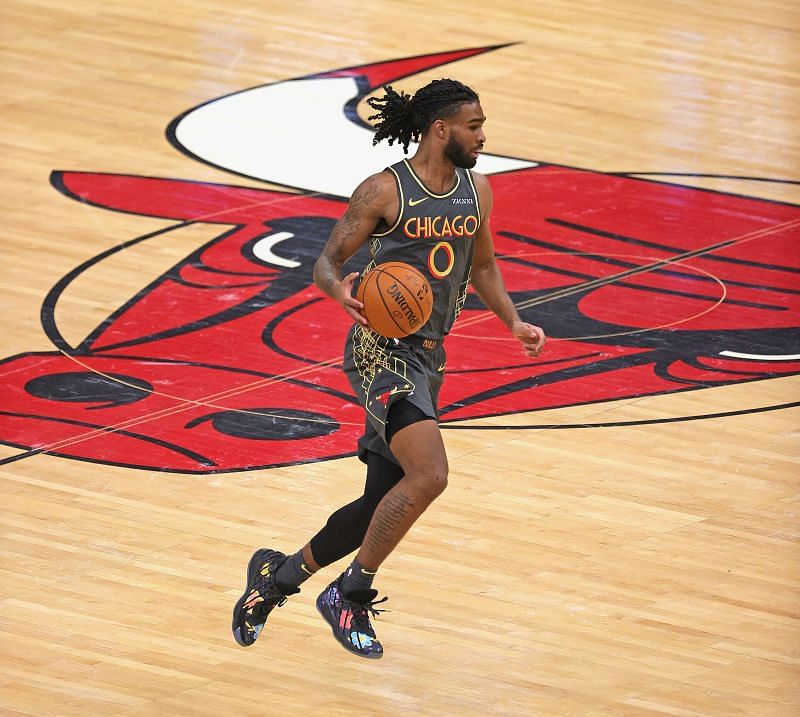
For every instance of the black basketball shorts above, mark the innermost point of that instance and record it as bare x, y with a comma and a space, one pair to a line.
383, 371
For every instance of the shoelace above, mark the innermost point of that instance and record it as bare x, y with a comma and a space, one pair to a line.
263, 608
362, 610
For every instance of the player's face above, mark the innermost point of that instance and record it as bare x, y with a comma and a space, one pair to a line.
466, 136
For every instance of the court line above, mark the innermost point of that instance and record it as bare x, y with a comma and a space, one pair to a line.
469, 322
188, 403
459, 426
311, 369
569, 291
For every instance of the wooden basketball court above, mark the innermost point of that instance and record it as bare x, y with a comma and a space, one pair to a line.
626, 545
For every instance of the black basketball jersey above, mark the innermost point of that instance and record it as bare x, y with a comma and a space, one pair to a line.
434, 233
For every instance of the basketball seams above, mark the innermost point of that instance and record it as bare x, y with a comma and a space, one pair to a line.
362, 291
383, 318
389, 311
409, 296
410, 292
412, 295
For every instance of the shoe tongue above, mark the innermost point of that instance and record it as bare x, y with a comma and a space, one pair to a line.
361, 596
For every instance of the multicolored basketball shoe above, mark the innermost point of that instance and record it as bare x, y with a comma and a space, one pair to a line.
348, 617
261, 595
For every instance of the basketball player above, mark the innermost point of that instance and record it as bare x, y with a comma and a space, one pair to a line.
431, 212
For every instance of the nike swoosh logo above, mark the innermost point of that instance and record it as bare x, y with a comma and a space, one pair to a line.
441, 368
414, 202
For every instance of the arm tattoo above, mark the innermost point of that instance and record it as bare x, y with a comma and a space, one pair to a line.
327, 268
365, 194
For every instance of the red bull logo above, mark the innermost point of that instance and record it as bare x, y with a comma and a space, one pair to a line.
210, 368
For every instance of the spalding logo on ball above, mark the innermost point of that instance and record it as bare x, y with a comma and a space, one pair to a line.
397, 299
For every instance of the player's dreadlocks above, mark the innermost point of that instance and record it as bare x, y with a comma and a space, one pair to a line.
404, 118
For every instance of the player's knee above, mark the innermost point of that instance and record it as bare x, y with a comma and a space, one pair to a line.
437, 484
430, 483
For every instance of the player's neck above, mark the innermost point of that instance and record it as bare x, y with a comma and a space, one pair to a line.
435, 170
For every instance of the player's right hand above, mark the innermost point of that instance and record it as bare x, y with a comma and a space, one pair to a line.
343, 293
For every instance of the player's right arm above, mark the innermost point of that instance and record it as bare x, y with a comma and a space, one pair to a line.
372, 201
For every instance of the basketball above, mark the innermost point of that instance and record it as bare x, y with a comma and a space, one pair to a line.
397, 299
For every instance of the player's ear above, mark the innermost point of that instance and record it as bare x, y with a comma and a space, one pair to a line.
439, 129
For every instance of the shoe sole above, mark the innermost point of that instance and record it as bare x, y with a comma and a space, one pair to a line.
351, 650
252, 569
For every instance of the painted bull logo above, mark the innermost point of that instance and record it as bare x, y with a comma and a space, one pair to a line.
230, 359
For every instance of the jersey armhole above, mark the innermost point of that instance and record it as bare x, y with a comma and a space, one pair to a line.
399, 208
475, 194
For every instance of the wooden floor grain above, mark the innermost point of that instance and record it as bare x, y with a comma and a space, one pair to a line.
620, 571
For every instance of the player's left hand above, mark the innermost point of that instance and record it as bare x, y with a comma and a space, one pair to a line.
531, 337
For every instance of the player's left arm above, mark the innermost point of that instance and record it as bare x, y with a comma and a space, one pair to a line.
488, 281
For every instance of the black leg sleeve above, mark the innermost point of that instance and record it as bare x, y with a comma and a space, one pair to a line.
346, 528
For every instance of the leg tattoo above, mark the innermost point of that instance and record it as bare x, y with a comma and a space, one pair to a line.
394, 516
